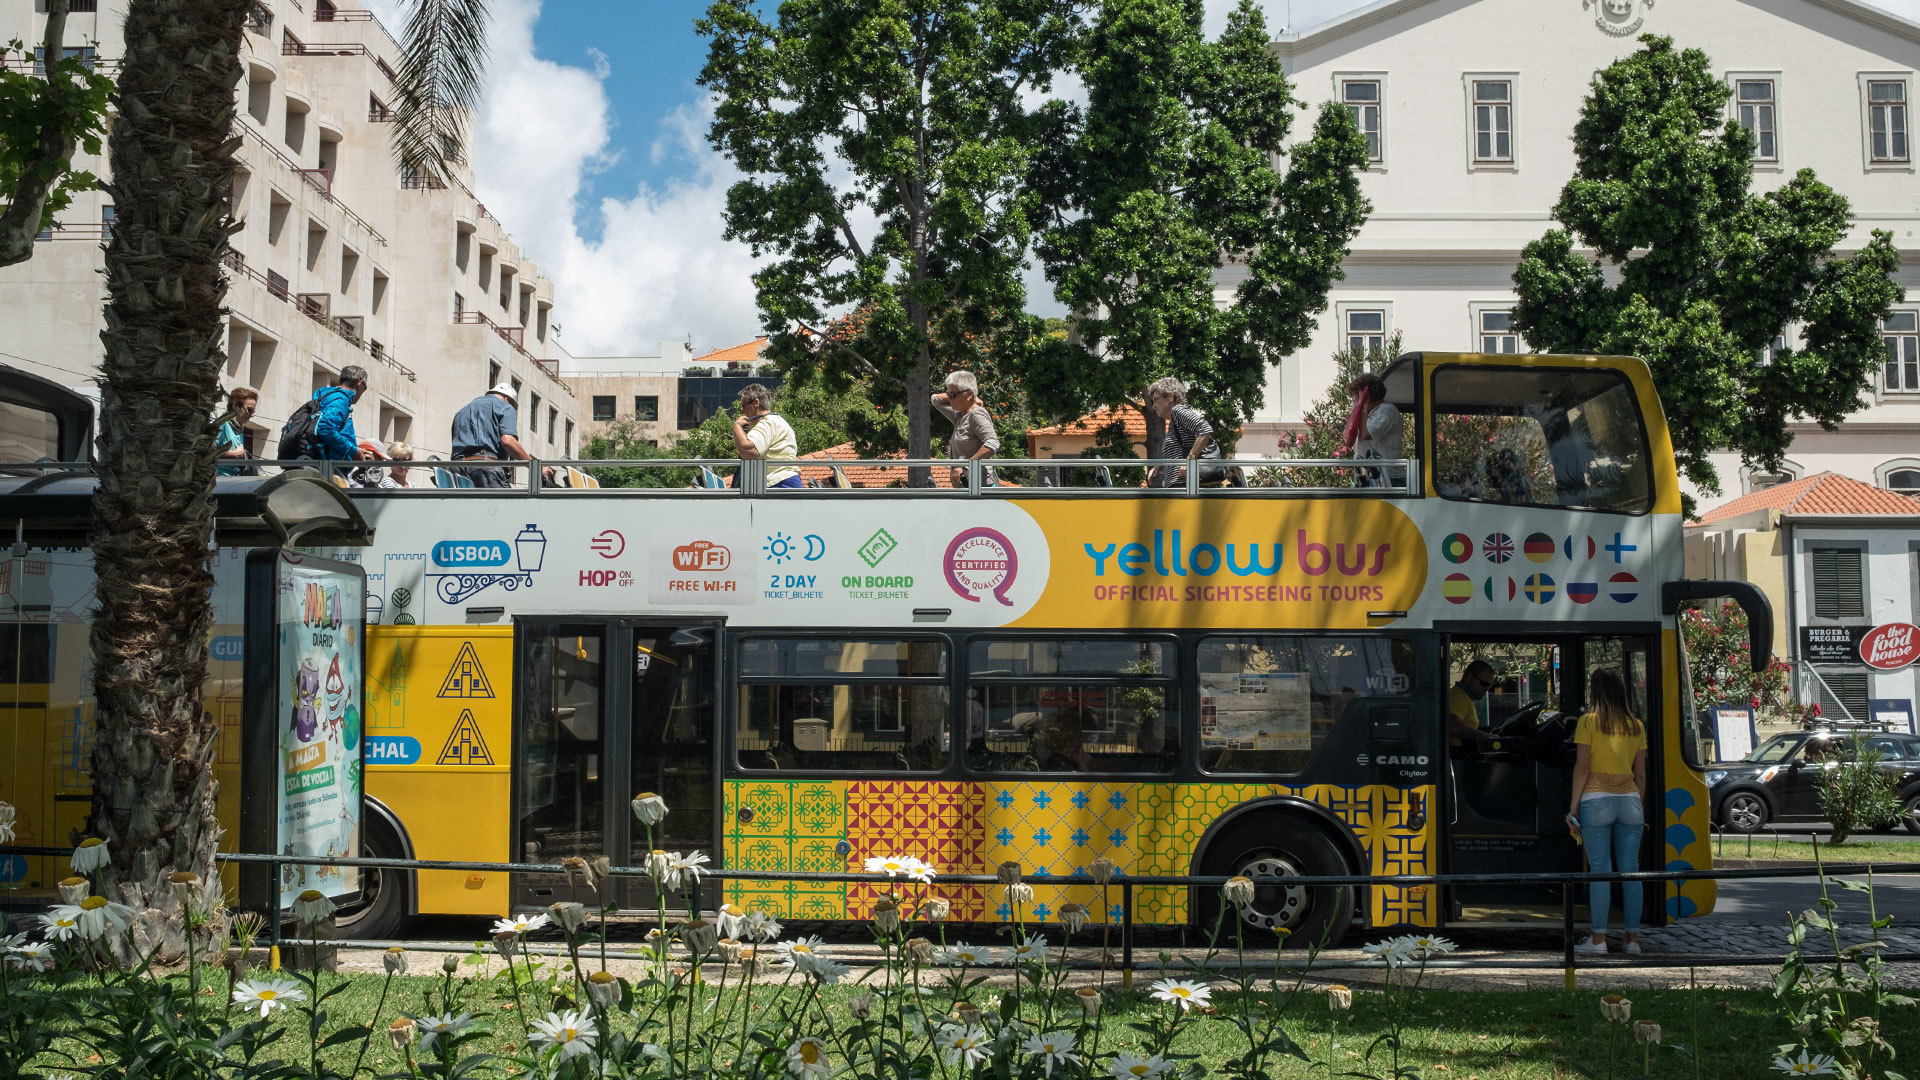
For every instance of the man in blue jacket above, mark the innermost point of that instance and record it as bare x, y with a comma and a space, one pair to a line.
333, 435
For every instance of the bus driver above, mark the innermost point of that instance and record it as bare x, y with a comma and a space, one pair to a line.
1463, 720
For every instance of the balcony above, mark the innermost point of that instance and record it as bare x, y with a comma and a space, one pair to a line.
320, 180
512, 335
315, 306
379, 352
379, 114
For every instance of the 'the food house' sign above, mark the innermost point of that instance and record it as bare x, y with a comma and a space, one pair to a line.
1891, 647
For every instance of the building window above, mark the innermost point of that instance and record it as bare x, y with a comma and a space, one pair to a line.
1887, 120
1492, 121
1901, 332
553, 421
1497, 334
1761, 481
1755, 100
1904, 481
1366, 330
603, 407
1362, 99
459, 305
568, 445
493, 373
646, 407
1843, 694
1838, 591
533, 415
1774, 350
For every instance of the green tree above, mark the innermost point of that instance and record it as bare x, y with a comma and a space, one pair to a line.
43, 123
1171, 166
171, 151
1326, 423
1708, 272
885, 146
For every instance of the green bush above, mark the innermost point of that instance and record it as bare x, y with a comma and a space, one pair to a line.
1859, 794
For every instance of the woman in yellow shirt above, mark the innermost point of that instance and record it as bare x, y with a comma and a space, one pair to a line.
1609, 802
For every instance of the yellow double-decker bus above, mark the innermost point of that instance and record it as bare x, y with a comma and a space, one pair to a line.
1205, 681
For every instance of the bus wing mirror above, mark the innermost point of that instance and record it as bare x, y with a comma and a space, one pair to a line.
1751, 600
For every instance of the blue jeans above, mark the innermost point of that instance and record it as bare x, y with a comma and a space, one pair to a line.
1610, 827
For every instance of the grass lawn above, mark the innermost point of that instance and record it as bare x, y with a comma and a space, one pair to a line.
1491, 1035
1858, 848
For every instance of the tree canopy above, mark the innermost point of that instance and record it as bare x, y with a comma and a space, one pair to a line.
1697, 274
45, 119
1168, 171
886, 145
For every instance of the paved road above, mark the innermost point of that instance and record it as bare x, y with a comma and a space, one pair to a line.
1766, 902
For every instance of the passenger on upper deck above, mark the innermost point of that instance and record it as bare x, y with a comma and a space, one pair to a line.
759, 432
1188, 436
333, 438
487, 429
230, 440
973, 434
1374, 430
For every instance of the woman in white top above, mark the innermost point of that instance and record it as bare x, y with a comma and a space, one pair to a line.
759, 432
1374, 430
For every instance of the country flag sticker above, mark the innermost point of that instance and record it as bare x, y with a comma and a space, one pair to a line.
1458, 588
1491, 589
1623, 587
1539, 588
1539, 548
1457, 548
1582, 592
1499, 548
1576, 544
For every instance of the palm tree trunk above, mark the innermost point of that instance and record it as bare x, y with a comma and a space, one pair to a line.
171, 153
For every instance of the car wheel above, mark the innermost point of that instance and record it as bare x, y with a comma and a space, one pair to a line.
1276, 849
1743, 812
381, 911
1910, 817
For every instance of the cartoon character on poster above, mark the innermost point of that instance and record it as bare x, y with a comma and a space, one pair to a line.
306, 688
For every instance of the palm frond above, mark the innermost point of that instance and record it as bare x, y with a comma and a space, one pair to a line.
439, 83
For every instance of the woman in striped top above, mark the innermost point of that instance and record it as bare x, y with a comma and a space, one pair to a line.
1609, 800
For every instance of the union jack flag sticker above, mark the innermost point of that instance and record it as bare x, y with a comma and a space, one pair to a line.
1498, 548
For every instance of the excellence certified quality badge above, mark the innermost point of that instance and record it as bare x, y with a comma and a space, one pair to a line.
981, 561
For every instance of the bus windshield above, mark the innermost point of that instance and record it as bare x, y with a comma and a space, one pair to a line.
1540, 437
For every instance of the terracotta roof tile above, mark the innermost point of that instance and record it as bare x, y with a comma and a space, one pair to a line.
1821, 493
866, 476
1136, 424
747, 353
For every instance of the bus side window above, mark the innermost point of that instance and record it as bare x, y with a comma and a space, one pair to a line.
1268, 702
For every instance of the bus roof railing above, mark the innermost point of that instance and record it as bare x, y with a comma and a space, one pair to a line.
860, 477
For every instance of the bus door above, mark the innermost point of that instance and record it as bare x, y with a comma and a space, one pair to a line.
609, 709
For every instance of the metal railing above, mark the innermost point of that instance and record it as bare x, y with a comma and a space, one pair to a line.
1568, 883
295, 167
315, 306
514, 336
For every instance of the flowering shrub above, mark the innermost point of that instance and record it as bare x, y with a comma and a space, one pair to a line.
1718, 665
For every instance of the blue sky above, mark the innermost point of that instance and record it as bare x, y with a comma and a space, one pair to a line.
591, 147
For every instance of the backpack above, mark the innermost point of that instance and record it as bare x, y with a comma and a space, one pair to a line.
297, 436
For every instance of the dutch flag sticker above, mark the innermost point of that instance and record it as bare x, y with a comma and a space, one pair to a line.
1623, 587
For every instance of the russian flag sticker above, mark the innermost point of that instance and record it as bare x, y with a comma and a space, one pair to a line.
1573, 547
1623, 587
1457, 548
1458, 588
1539, 548
1582, 592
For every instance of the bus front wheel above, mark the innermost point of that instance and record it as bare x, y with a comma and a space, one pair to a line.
381, 911
1279, 848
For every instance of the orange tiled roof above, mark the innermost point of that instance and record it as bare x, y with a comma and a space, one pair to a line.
866, 476
1134, 421
747, 353
1821, 493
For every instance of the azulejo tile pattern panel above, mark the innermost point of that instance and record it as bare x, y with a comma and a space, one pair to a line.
1050, 828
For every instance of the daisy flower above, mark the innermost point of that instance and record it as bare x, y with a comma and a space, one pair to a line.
97, 913
763, 927
520, 924
569, 1031
964, 955
1394, 952
688, 867
1030, 949
1422, 946
1817, 1065
432, 1027
312, 907
807, 1058
824, 968
649, 808
1182, 992
1052, 1048
61, 923
1128, 1067
91, 855
791, 951
35, 957
968, 1046
893, 865
269, 994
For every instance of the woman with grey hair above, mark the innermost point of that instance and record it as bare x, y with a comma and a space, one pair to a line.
973, 434
1188, 436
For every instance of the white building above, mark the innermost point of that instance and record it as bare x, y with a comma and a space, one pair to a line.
341, 259
1470, 105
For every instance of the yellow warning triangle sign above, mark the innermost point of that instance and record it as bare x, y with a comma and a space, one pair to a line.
465, 745
466, 678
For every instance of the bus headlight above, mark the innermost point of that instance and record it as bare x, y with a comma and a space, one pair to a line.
1715, 776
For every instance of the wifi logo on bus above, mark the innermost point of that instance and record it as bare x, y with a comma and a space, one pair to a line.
702, 555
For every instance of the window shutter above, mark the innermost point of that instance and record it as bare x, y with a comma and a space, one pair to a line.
1838, 689
1837, 592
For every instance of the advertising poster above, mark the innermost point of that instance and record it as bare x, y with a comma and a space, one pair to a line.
303, 781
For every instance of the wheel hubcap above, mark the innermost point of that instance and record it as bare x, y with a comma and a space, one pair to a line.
1744, 812
370, 884
1274, 907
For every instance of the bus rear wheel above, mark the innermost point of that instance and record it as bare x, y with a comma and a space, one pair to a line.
1278, 848
381, 911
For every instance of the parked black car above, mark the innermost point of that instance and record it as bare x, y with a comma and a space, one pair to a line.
1780, 780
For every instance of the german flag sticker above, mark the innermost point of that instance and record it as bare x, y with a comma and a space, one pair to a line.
1458, 588
1539, 548
1457, 548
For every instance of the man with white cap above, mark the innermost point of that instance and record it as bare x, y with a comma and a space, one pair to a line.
487, 429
